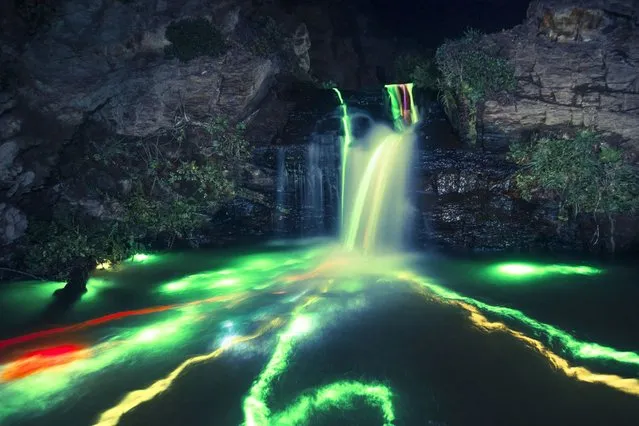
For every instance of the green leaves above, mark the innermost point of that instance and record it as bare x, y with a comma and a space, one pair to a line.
471, 71
468, 74
581, 174
418, 69
176, 180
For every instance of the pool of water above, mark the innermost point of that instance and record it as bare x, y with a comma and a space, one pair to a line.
303, 333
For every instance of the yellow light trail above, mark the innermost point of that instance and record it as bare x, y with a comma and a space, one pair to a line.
626, 385
112, 416
381, 183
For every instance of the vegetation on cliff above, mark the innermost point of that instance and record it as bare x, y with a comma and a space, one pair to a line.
420, 69
464, 72
469, 73
582, 174
170, 185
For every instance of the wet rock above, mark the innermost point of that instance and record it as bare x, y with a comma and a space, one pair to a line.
13, 223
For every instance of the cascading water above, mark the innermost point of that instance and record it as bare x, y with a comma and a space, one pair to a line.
281, 185
374, 176
313, 196
306, 187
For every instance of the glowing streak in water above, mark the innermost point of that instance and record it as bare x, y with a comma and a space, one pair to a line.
256, 411
519, 270
340, 394
627, 385
346, 143
337, 395
577, 348
109, 318
112, 416
42, 359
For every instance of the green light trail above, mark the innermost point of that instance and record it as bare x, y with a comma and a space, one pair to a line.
338, 395
526, 270
577, 349
403, 110
143, 258
396, 110
256, 411
346, 143
413, 107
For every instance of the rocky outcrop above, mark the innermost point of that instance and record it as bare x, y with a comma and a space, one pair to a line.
467, 202
106, 59
577, 65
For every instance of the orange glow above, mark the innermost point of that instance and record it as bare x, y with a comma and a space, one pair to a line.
627, 385
326, 266
42, 359
112, 416
108, 318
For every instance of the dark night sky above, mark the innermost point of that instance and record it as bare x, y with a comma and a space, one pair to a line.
432, 21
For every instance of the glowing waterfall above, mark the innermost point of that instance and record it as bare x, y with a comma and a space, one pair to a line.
346, 142
374, 176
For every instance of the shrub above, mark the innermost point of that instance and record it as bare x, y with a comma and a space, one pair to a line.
418, 69
468, 74
582, 175
192, 38
178, 180
56, 246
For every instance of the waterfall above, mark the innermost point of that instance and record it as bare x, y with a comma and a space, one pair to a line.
306, 187
374, 176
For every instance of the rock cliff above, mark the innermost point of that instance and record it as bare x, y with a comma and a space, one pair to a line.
112, 63
577, 65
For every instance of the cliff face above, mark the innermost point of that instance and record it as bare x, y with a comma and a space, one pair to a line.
577, 64
70, 65
81, 78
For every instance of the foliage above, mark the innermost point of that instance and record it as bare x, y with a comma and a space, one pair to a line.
582, 174
469, 73
177, 180
57, 246
418, 69
192, 38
